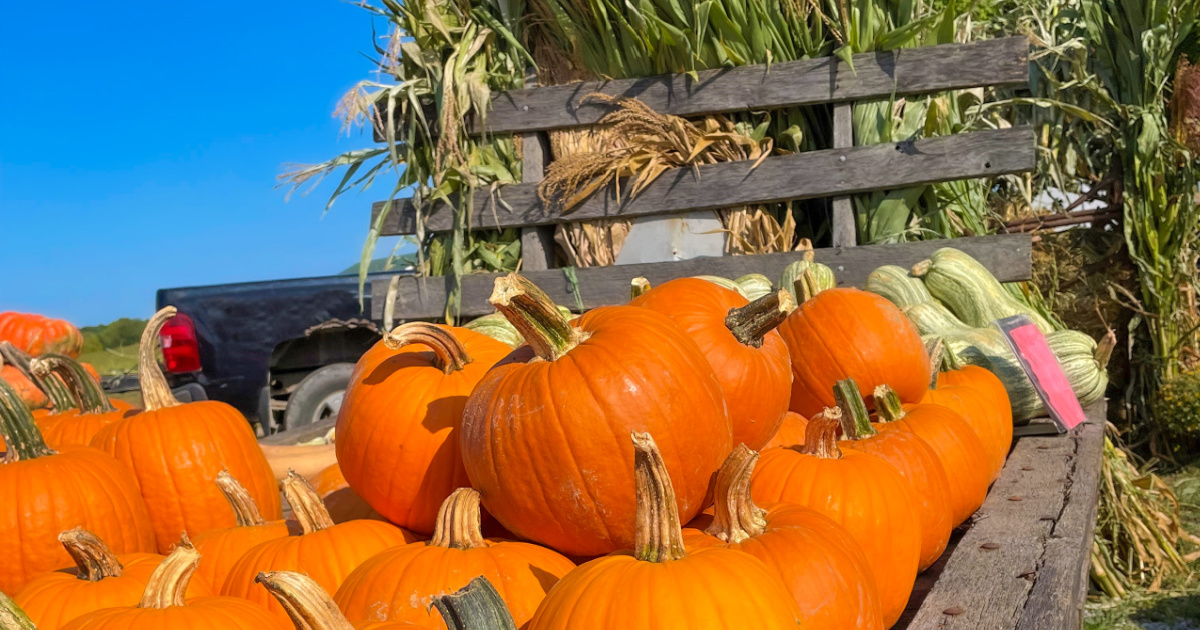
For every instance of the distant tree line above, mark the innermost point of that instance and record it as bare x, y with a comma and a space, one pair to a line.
122, 332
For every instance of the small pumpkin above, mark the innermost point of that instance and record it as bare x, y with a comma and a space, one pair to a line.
660, 584
398, 584
37, 335
99, 580
981, 379
791, 431
806, 277
984, 418
90, 410
220, 549
339, 498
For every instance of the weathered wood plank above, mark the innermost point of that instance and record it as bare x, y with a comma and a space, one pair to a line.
537, 242
843, 225
301, 434
1007, 256
779, 178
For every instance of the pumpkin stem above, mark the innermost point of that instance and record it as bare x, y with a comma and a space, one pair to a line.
52, 386
887, 402
658, 537
806, 286
156, 394
12, 617
637, 287
92, 557
535, 316
309, 605
750, 323
936, 349
22, 437
1105, 349
306, 504
457, 524
475, 606
170, 579
735, 517
856, 422
85, 391
244, 507
920, 269
821, 435
449, 353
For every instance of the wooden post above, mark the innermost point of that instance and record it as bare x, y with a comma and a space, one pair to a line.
537, 243
843, 207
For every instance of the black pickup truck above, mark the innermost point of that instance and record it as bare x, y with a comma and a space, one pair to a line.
280, 351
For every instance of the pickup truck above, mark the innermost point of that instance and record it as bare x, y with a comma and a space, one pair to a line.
280, 351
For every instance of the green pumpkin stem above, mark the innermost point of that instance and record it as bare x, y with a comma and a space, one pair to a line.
306, 504
309, 606
12, 617
476, 606
458, 524
56, 391
21, 436
535, 316
735, 517
449, 353
888, 404
751, 323
821, 435
807, 286
85, 391
657, 534
94, 560
637, 287
243, 505
856, 421
170, 579
156, 393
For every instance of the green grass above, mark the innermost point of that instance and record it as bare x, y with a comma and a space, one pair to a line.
113, 360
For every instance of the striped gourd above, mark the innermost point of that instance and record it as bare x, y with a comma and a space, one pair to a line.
898, 285
970, 291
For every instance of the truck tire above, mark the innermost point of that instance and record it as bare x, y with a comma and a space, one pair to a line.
318, 396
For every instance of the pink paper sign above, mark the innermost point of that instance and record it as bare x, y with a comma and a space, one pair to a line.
1044, 371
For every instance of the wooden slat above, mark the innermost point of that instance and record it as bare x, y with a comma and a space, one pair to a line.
843, 227
799, 176
1007, 256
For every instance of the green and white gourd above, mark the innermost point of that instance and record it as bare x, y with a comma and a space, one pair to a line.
970, 291
821, 274
898, 286
723, 282
498, 328
754, 285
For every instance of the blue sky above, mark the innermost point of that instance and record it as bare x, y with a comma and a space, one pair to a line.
139, 144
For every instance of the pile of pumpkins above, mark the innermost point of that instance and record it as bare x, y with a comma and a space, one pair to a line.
691, 459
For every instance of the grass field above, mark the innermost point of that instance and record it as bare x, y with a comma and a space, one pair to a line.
113, 360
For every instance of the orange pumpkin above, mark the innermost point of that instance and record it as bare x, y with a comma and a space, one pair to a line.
847, 333
861, 492
983, 381
37, 335
90, 411
816, 559
660, 584
325, 551
983, 416
397, 431
100, 579
164, 605
29, 394
739, 340
220, 549
791, 431
47, 492
537, 431
340, 499
177, 449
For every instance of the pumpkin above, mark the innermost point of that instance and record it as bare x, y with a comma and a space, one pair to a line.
343, 503
90, 410
397, 436
220, 549
37, 335
36, 393
306, 459
29, 394
326, 551
739, 340
847, 333
398, 584
100, 579
47, 492
660, 584
806, 276
201, 438
958, 448
861, 492
537, 431
791, 431
984, 382
819, 562
164, 605
984, 418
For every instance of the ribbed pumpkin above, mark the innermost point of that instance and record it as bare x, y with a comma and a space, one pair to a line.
816, 559
847, 333
220, 549
791, 431
861, 492
28, 393
984, 417
46, 493
660, 584
397, 431
99, 580
951, 438
537, 432
984, 382
399, 584
739, 340
325, 551
90, 412
163, 605
176, 450
37, 335
342, 502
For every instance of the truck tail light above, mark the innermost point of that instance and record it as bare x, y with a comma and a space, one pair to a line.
181, 350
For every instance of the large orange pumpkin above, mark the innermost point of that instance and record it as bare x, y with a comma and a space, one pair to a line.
177, 449
847, 333
738, 337
537, 432
660, 584
983, 381
91, 410
220, 549
816, 559
325, 551
46, 493
37, 335
343, 503
859, 491
99, 580
791, 431
397, 431
164, 605
985, 418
